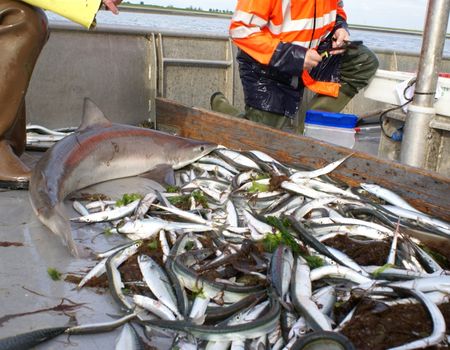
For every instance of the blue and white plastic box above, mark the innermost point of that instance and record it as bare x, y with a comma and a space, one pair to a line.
335, 128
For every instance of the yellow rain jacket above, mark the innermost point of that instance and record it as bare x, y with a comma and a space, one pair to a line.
78, 11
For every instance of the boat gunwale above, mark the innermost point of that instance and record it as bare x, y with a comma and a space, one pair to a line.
426, 190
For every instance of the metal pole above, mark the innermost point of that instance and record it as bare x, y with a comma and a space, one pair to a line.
421, 111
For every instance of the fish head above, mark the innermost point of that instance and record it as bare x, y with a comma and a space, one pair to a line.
143, 258
368, 187
189, 151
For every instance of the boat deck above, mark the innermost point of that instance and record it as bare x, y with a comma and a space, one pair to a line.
28, 249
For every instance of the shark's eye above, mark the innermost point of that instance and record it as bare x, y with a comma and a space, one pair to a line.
202, 148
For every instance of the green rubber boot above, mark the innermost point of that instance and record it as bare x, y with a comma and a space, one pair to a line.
219, 103
273, 120
328, 103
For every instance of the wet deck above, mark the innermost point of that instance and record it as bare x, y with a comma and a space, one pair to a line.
28, 249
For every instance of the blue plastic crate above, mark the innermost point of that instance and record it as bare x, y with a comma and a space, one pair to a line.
338, 120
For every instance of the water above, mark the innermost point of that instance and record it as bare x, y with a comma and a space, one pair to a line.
219, 26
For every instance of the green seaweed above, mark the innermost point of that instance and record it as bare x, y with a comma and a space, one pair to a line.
200, 198
127, 198
183, 201
313, 261
257, 187
272, 241
153, 245
189, 245
179, 201
108, 232
285, 237
172, 189
54, 274
262, 176
381, 269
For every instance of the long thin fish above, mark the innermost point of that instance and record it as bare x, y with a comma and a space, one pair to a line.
439, 327
109, 215
261, 326
92, 328
389, 196
281, 270
301, 296
28, 340
319, 172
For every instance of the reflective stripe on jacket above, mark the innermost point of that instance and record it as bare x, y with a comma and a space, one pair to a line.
258, 26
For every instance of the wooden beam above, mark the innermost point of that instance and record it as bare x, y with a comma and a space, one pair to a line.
425, 190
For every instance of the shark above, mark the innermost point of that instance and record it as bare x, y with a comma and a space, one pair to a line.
98, 151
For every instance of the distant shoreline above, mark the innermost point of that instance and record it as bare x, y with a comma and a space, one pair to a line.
172, 10
195, 12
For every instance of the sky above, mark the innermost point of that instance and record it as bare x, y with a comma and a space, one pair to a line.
407, 14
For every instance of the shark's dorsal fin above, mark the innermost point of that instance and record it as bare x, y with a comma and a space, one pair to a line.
92, 115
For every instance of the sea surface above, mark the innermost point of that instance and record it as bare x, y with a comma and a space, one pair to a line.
219, 26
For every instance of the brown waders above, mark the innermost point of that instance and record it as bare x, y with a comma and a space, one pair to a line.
23, 33
358, 66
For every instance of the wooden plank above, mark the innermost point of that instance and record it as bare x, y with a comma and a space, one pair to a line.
425, 190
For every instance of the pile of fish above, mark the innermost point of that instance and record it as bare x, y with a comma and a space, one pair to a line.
238, 252
243, 260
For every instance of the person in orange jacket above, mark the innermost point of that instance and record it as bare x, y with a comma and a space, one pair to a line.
284, 45
23, 34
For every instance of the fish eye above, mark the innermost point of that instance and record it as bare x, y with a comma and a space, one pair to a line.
202, 148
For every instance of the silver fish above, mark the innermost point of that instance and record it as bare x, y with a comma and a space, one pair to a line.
319, 172
388, 196
92, 328
109, 215
158, 282
439, 327
128, 339
254, 329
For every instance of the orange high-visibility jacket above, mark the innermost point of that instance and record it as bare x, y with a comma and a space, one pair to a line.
273, 37
258, 26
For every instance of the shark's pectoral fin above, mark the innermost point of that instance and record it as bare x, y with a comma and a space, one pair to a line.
162, 173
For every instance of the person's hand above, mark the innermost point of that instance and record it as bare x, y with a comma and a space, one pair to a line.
112, 5
339, 38
312, 59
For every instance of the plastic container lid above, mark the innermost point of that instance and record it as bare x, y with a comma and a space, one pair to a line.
340, 120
